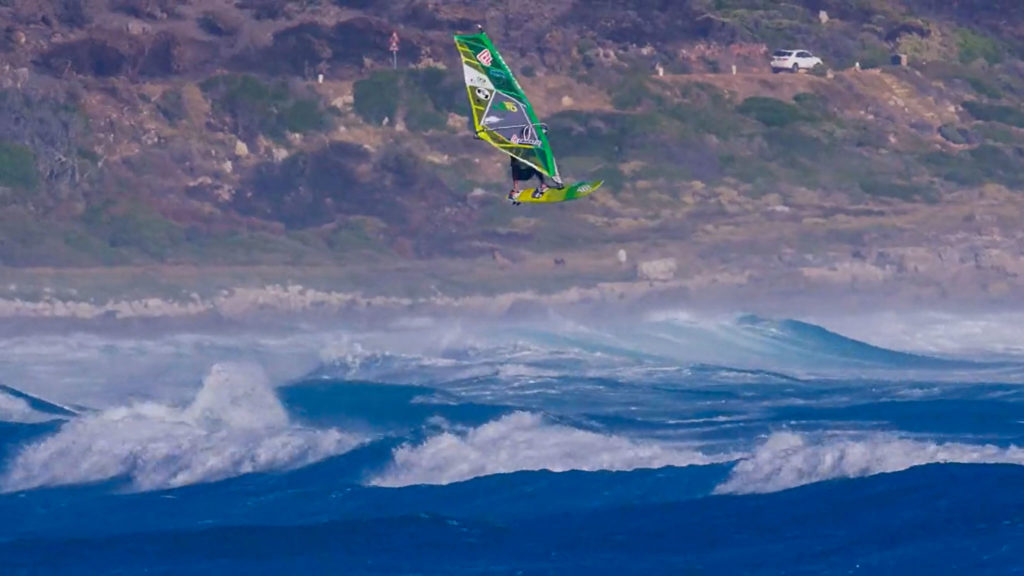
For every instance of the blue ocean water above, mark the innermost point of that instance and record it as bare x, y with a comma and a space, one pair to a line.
665, 445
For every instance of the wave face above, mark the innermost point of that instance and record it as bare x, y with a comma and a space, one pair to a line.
235, 425
669, 442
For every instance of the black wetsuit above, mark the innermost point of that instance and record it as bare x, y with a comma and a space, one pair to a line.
521, 171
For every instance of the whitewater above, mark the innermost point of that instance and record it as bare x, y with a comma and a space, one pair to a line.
668, 442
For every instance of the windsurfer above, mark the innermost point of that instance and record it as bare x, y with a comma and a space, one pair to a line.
521, 171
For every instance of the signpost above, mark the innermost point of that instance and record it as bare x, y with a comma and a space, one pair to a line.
394, 49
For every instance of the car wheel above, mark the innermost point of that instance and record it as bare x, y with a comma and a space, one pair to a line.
796, 68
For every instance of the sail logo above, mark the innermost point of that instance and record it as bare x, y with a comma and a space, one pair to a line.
485, 58
525, 140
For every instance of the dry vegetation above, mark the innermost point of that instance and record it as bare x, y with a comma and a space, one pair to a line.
158, 131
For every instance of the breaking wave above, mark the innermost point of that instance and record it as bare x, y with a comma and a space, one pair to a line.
18, 407
525, 441
14, 409
787, 460
235, 425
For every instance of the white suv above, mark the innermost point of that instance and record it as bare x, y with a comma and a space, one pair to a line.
794, 60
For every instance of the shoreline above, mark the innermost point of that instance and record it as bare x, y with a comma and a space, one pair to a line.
177, 302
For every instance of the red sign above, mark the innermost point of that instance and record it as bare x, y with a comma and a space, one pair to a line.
394, 41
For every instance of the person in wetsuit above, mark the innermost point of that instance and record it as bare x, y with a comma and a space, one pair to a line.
522, 172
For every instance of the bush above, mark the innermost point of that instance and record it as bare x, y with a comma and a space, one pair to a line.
633, 92
995, 113
999, 133
953, 134
171, 105
17, 166
984, 87
303, 116
421, 117
376, 98
257, 107
723, 123
993, 160
446, 91
955, 168
874, 56
133, 227
385, 92
812, 105
889, 188
353, 236
986, 163
771, 112
706, 109
974, 46
820, 70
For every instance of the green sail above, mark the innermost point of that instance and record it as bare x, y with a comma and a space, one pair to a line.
502, 115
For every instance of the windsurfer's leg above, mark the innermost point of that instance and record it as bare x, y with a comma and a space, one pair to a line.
542, 187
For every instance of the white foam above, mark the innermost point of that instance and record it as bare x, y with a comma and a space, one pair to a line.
787, 460
969, 334
14, 409
525, 441
234, 426
99, 371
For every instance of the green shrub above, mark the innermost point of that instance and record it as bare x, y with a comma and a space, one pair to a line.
17, 166
795, 148
746, 169
720, 122
171, 105
974, 46
995, 113
771, 112
598, 135
633, 92
134, 227
953, 134
446, 91
353, 237
376, 98
884, 187
874, 56
813, 105
236, 92
993, 160
986, 163
420, 116
955, 168
999, 133
303, 116
984, 87
259, 107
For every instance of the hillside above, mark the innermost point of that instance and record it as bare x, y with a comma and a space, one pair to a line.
142, 132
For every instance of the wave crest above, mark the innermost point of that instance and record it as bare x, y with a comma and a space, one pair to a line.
525, 441
236, 425
787, 460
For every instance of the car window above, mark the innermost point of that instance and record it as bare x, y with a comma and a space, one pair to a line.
781, 53
804, 55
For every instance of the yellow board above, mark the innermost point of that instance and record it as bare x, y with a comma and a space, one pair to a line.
553, 195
